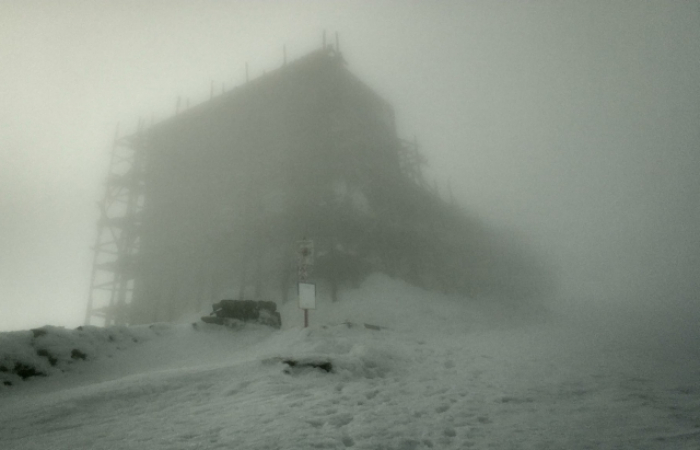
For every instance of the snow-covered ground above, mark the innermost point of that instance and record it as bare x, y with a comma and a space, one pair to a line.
441, 373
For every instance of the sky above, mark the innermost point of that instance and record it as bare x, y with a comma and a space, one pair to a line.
571, 124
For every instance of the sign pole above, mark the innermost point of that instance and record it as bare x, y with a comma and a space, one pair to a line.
306, 291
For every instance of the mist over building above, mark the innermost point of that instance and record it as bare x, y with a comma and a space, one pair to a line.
211, 203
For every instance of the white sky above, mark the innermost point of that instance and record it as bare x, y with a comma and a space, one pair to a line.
574, 123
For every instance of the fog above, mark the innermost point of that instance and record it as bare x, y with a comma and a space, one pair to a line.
572, 125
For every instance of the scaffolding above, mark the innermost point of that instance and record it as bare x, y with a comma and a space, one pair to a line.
411, 161
118, 239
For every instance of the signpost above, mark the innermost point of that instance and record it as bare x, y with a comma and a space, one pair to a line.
306, 291
307, 300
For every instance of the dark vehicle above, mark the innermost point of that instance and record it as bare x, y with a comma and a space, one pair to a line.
227, 312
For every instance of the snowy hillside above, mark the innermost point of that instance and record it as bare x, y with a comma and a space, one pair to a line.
438, 374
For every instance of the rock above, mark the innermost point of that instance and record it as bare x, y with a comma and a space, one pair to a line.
25, 371
77, 354
322, 364
45, 354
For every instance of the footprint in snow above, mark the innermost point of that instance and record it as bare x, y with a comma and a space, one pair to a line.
371, 394
442, 408
341, 419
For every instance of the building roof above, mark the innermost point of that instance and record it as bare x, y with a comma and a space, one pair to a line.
312, 62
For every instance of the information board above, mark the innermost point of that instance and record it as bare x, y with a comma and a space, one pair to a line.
307, 296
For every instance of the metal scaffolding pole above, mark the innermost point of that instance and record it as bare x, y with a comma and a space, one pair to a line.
117, 242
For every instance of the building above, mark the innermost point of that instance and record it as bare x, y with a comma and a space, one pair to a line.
212, 202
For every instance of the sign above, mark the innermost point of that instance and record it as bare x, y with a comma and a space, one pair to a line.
306, 253
307, 296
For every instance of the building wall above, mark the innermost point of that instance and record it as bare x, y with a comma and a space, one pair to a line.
306, 151
233, 184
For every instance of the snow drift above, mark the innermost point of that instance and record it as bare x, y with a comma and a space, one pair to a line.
433, 376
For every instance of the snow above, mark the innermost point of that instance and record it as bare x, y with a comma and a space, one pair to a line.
440, 373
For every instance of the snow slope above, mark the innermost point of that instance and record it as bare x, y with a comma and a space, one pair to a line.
439, 374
